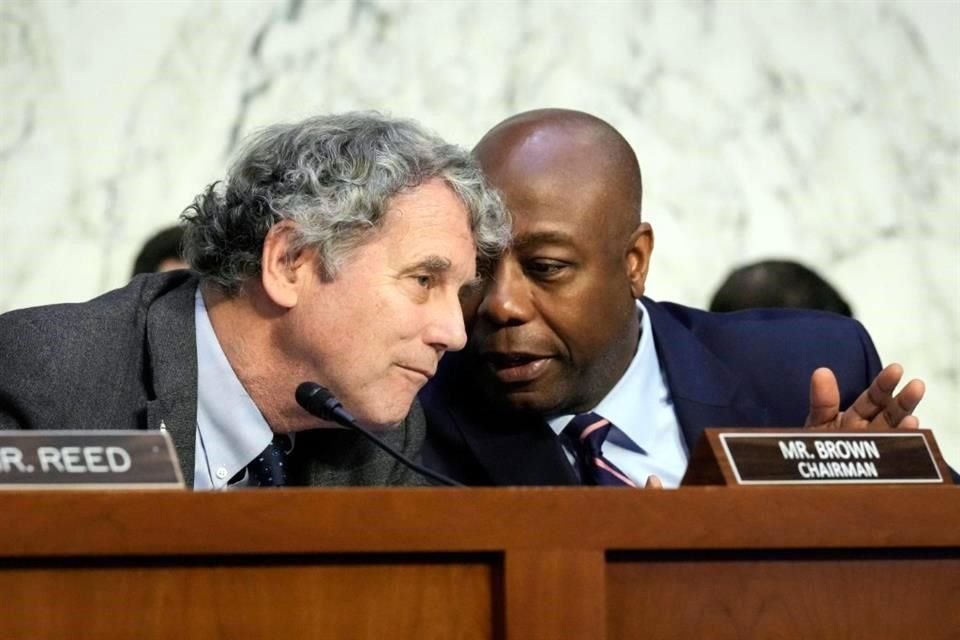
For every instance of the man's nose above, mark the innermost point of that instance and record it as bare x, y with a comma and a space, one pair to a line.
506, 299
446, 331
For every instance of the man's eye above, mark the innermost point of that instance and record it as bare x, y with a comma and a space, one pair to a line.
545, 268
424, 281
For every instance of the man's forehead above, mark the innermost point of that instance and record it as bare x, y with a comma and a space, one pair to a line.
535, 177
574, 216
425, 230
431, 198
555, 208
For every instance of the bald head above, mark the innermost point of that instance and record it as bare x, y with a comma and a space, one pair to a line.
569, 149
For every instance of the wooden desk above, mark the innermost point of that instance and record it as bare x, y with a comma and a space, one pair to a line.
764, 562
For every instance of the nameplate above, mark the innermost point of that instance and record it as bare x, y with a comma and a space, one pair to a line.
88, 460
794, 456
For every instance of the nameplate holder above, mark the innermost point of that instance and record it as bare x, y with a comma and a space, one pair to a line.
88, 460
740, 457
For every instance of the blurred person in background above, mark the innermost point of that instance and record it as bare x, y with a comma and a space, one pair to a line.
777, 283
162, 252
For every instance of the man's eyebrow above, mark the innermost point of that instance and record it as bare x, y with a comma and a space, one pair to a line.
430, 264
537, 238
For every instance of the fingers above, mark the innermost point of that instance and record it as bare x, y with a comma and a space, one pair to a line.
898, 413
824, 399
653, 482
871, 404
879, 408
876, 408
909, 422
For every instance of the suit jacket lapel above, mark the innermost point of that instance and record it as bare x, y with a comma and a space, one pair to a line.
523, 454
172, 354
704, 391
513, 449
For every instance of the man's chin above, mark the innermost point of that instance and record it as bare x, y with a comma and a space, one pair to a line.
524, 397
383, 418
379, 407
531, 401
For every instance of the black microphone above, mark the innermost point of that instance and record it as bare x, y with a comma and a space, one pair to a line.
318, 401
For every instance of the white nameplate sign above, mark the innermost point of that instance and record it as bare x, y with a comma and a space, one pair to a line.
88, 460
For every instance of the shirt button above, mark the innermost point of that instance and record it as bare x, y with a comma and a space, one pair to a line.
222, 473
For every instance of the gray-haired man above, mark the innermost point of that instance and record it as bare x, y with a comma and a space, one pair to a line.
334, 251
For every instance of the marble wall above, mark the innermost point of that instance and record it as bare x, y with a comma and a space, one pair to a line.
827, 131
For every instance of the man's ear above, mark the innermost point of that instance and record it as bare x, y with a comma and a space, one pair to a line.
283, 272
637, 259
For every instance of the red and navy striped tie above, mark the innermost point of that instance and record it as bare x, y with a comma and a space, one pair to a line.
586, 432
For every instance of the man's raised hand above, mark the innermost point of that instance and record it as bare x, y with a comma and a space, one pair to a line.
876, 408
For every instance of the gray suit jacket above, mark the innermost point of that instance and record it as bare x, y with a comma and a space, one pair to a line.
128, 360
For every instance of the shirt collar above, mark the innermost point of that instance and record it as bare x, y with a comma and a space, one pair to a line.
232, 429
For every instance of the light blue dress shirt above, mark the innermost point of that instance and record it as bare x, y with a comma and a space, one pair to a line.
231, 431
646, 439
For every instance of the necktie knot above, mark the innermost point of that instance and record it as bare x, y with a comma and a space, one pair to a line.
588, 431
586, 434
269, 469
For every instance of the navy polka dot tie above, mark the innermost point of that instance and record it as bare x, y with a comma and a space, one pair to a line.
585, 434
269, 469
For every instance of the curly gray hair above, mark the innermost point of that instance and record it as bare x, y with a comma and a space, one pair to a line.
334, 176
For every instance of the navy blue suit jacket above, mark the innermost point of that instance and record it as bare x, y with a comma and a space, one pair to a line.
744, 369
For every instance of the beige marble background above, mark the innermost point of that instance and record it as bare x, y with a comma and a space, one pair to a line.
827, 131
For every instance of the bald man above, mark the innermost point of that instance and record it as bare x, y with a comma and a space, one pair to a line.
572, 376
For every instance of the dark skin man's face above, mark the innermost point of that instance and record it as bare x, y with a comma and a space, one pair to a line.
557, 324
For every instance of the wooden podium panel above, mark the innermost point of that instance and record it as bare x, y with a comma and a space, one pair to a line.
835, 595
298, 597
551, 563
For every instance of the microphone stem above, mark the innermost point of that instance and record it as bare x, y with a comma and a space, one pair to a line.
433, 475
318, 401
